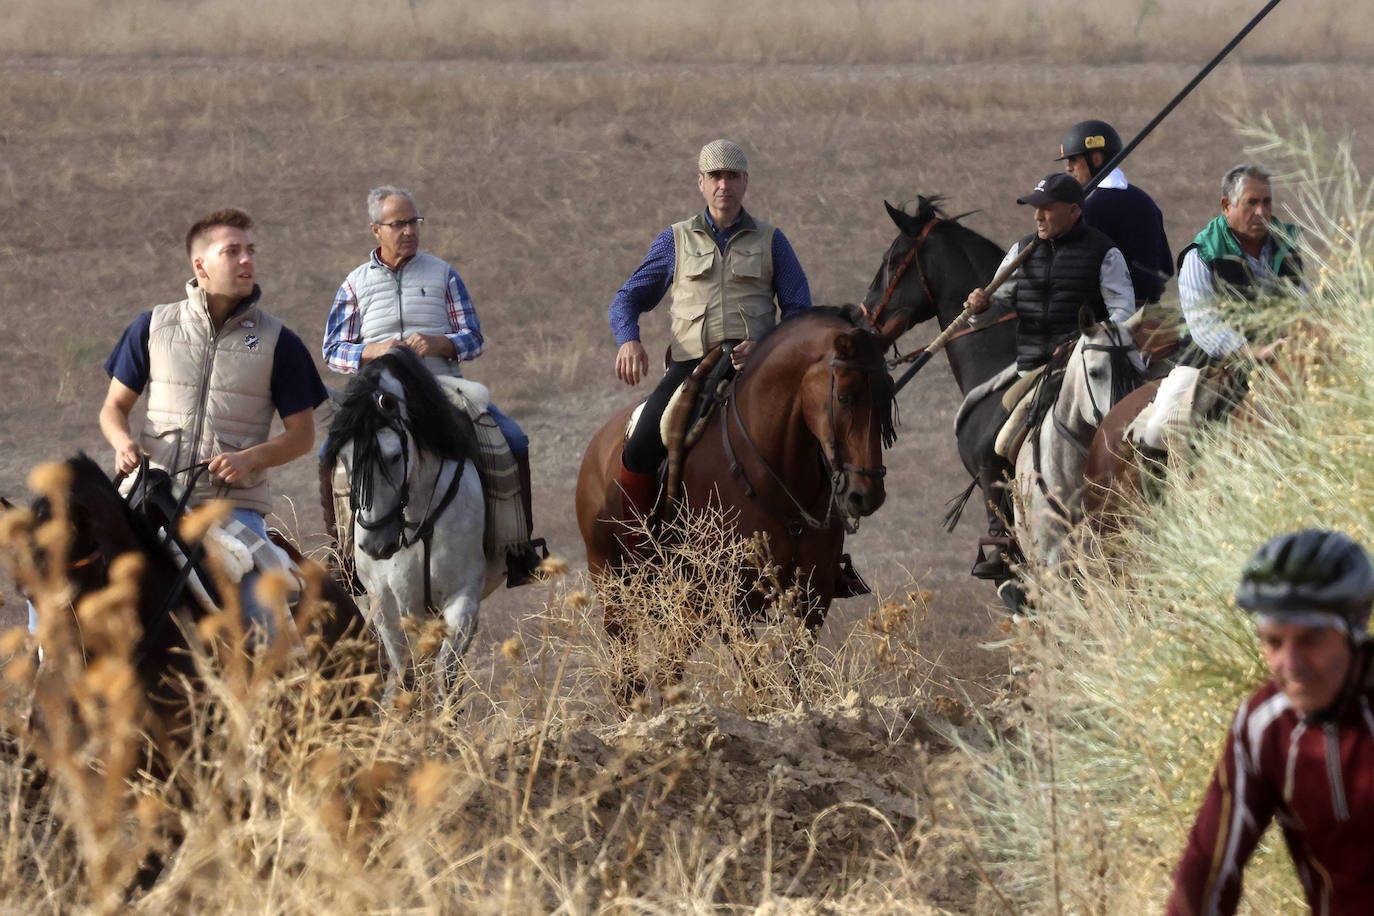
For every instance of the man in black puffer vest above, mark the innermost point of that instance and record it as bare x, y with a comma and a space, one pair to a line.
1073, 266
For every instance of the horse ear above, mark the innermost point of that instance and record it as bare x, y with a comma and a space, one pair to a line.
902, 220
844, 345
1086, 320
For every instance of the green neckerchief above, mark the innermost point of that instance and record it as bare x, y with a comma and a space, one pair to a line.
1217, 240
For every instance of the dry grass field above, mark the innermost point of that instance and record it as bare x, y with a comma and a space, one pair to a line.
547, 143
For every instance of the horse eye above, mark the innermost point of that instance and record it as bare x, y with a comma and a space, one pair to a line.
844, 398
387, 402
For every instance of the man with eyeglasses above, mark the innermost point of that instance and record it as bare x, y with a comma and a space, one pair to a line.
402, 297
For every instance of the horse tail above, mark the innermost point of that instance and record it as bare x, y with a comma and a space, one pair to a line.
956, 506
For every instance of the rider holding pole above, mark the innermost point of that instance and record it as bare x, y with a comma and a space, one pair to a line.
1070, 267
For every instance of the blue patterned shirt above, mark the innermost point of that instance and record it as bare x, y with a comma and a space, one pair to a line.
649, 284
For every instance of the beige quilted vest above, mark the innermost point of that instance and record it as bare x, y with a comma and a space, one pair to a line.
718, 296
210, 393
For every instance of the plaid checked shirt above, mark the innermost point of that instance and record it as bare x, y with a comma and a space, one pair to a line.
343, 348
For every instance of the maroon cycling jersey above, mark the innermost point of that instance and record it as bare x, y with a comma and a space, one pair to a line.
1316, 778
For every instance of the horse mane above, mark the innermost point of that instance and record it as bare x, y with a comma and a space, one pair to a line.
431, 421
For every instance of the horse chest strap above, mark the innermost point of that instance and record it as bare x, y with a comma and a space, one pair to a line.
736, 469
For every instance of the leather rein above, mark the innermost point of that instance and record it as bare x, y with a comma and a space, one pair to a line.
837, 468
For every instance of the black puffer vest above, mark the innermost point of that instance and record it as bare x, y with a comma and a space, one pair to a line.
1062, 275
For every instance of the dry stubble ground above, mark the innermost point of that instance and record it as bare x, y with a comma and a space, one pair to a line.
544, 184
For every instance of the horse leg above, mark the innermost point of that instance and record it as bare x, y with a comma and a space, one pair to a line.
622, 635
460, 614
384, 614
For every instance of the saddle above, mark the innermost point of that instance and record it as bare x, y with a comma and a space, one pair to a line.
154, 495
684, 419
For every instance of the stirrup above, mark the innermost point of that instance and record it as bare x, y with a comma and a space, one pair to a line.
848, 582
992, 567
523, 562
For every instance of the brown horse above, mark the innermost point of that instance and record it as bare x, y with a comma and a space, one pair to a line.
795, 451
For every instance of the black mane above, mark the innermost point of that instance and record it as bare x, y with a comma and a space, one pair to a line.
431, 421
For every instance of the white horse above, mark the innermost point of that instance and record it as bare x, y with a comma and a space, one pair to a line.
1101, 369
418, 513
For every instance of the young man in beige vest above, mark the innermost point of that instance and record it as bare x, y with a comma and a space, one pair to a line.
728, 277
216, 368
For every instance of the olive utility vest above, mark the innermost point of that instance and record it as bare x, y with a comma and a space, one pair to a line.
720, 295
210, 393
398, 303
1061, 276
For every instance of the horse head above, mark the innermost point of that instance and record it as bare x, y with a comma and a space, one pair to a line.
929, 268
900, 297
393, 431
847, 399
1102, 370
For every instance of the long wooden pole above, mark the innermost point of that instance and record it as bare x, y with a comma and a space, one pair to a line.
939, 342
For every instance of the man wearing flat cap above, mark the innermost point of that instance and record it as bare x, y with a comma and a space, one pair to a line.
728, 278
726, 275
1073, 266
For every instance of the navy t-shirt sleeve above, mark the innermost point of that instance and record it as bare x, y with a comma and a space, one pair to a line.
129, 360
296, 383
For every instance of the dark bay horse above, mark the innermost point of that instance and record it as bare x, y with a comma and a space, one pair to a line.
795, 451
96, 527
927, 272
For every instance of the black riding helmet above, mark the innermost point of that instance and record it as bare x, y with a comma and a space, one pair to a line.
1091, 137
1310, 571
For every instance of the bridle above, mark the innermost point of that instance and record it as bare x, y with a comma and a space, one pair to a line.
912, 257
1123, 383
420, 531
836, 468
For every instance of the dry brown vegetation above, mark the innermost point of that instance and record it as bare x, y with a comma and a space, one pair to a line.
547, 144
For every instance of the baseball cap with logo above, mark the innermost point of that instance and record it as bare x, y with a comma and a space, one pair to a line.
1059, 187
722, 156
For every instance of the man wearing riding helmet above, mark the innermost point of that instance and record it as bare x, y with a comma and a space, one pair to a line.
1302, 747
1128, 215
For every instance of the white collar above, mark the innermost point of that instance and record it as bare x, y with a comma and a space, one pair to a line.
1115, 181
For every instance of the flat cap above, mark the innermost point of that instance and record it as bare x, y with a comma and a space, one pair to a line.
722, 156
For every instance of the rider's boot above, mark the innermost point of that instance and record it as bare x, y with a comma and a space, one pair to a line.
848, 582
637, 494
523, 562
994, 549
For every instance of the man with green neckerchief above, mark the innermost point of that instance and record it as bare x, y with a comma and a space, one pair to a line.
1242, 255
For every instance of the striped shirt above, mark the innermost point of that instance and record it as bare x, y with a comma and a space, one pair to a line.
1202, 313
650, 282
343, 345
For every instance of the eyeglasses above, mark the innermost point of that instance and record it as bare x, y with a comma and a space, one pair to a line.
399, 224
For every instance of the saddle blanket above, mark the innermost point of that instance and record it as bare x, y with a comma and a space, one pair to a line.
663, 421
1199, 398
